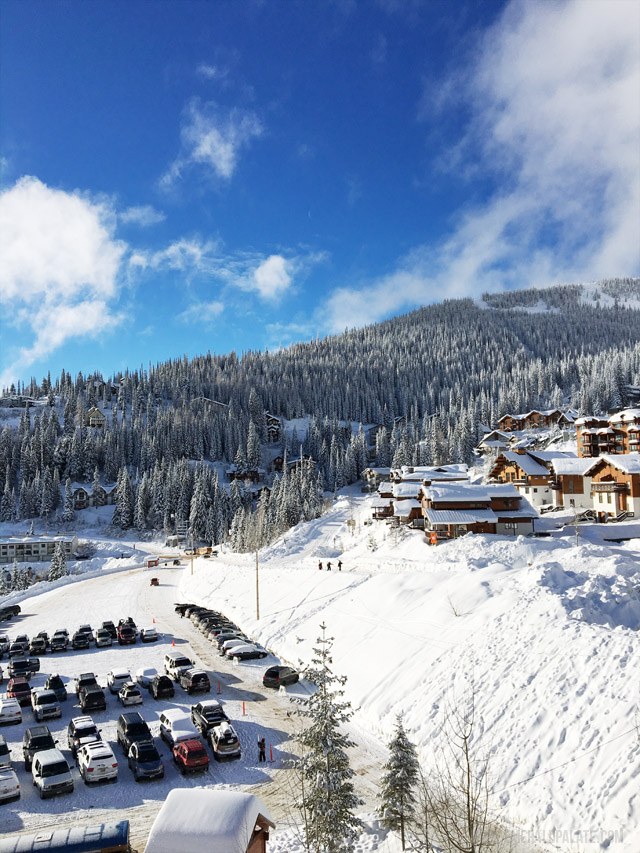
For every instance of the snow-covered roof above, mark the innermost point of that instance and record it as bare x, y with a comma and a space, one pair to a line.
530, 467
454, 492
570, 465
625, 416
383, 472
460, 516
407, 489
403, 508
195, 820
503, 490
548, 455
7, 540
628, 463
379, 503
386, 486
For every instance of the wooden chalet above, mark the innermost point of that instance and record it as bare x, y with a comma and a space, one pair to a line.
615, 485
95, 418
615, 434
372, 477
453, 510
277, 463
83, 496
273, 427
569, 485
529, 471
535, 419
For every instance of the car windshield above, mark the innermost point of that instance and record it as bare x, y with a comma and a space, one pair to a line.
197, 753
148, 752
87, 731
140, 728
41, 742
55, 769
46, 699
55, 681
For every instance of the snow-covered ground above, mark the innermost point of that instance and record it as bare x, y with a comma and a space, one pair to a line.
546, 633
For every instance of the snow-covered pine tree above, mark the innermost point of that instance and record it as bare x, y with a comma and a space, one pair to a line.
67, 512
398, 784
327, 797
123, 513
58, 567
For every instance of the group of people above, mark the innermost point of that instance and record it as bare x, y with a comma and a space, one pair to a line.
329, 565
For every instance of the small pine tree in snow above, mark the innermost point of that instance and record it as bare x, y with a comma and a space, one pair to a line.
67, 512
327, 798
58, 567
398, 784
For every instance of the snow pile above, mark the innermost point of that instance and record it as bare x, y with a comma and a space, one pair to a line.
544, 632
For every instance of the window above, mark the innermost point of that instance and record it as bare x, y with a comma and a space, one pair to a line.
535, 491
608, 497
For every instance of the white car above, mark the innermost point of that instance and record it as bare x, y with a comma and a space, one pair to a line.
10, 712
103, 638
176, 726
247, 651
9, 785
148, 635
145, 676
229, 644
97, 763
130, 694
117, 678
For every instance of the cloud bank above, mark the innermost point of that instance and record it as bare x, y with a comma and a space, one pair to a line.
553, 91
59, 270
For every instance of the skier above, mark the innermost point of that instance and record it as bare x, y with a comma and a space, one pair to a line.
320, 565
328, 566
262, 747
339, 565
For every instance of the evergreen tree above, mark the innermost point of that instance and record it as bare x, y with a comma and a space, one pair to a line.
123, 513
398, 784
58, 567
68, 513
327, 795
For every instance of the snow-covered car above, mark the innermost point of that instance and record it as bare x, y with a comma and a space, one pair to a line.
10, 711
175, 726
144, 761
249, 651
51, 773
148, 635
80, 731
229, 644
129, 694
97, 763
145, 675
224, 742
117, 678
103, 638
9, 785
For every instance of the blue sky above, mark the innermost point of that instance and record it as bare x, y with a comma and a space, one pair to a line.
186, 176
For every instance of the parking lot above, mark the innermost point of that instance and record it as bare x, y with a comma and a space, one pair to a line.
254, 711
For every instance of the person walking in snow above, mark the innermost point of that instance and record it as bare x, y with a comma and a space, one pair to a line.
339, 565
328, 566
320, 565
262, 747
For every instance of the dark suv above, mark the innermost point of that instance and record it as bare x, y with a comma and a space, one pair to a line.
207, 714
38, 646
80, 640
81, 730
132, 728
92, 698
126, 635
55, 683
162, 687
277, 676
35, 739
111, 628
195, 681
59, 642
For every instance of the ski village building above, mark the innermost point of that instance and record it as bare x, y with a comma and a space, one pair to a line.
29, 549
570, 484
454, 509
616, 434
537, 420
615, 485
529, 471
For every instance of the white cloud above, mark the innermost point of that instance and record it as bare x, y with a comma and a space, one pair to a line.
213, 138
272, 278
143, 215
212, 72
60, 267
553, 93
203, 313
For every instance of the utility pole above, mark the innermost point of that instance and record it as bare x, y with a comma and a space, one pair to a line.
257, 589
192, 549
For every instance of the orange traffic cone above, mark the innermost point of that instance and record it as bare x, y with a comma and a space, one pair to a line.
174, 642
154, 620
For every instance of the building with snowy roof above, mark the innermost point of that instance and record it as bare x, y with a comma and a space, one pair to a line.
615, 485
529, 471
570, 486
537, 419
616, 434
29, 549
203, 820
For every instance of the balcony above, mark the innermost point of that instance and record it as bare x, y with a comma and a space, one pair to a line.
621, 488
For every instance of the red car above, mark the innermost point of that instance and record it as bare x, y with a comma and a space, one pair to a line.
190, 756
154, 582
18, 688
126, 635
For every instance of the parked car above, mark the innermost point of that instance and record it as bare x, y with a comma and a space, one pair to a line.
55, 683
128, 621
154, 582
224, 742
88, 630
126, 635
207, 714
229, 644
4, 645
103, 638
36, 739
195, 681
51, 773
21, 667
80, 641
45, 704
111, 628
173, 661
130, 694
145, 675
222, 638
190, 756
175, 726
10, 711
1, 675
9, 785
59, 642
5, 754
84, 680
18, 689
81, 730
38, 646
18, 650
23, 639
97, 763
277, 676
148, 635
92, 698
162, 687
43, 635
144, 761
132, 728
247, 652
117, 678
